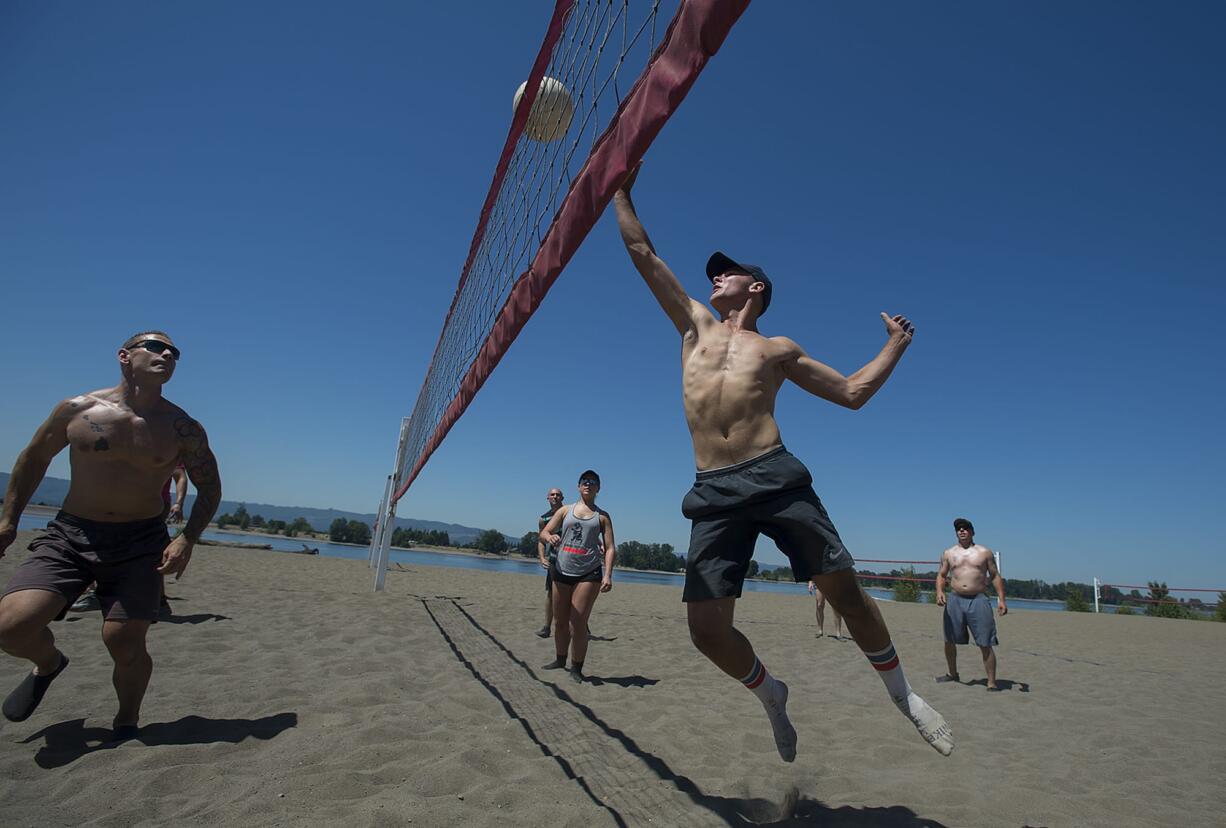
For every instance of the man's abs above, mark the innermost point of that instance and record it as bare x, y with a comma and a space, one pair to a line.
729, 384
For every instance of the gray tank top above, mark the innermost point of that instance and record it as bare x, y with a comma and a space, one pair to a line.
582, 549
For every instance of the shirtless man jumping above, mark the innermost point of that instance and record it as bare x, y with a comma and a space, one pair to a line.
124, 443
747, 483
968, 566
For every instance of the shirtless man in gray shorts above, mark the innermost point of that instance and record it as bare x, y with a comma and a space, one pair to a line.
968, 566
124, 443
747, 483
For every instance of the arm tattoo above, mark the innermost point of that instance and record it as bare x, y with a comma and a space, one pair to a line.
201, 468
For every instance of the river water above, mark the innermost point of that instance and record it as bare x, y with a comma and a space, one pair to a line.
516, 565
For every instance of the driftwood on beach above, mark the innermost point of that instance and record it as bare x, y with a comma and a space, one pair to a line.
204, 542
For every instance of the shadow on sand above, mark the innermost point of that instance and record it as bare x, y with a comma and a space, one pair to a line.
510, 684
198, 618
1003, 684
68, 741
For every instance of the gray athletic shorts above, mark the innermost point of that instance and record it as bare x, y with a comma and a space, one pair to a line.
122, 557
771, 494
976, 613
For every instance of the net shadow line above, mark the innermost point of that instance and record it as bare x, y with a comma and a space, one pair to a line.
545, 749
716, 806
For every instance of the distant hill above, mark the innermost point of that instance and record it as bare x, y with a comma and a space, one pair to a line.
53, 490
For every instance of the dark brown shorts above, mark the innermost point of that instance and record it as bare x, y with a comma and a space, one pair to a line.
122, 557
770, 495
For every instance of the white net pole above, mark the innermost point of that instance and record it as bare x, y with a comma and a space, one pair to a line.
380, 522
389, 514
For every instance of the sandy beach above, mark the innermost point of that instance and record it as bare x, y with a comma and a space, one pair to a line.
286, 693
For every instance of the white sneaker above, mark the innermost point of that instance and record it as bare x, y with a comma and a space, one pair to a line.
88, 601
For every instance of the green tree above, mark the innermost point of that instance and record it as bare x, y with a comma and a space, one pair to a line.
1124, 609
1076, 602
492, 541
338, 532
299, 525
358, 532
907, 591
258, 521
1220, 613
527, 544
753, 570
1162, 604
225, 520
779, 573
241, 517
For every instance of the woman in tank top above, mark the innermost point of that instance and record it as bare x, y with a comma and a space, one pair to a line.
583, 535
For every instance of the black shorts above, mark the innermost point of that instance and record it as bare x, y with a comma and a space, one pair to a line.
559, 577
771, 494
122, 557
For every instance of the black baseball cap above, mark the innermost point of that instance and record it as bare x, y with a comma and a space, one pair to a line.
719, 264
963, 523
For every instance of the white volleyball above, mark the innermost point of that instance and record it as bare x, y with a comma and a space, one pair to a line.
551, 111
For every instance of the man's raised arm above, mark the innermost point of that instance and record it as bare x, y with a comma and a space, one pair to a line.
857, 389
681, 309
31, 467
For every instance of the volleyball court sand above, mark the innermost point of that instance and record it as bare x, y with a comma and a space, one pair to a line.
285, 693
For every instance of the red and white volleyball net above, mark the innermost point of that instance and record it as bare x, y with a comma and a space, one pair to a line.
1152, 596
627, 65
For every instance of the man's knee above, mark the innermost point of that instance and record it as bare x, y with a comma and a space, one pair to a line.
25, 614
843, 593
14, 629
125, 640
708, 630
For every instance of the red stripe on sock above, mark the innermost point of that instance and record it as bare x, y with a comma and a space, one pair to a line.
889, 665
761, 678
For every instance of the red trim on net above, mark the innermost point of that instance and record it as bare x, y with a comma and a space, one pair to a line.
878, 560
1168, 589
895, 578
693, 38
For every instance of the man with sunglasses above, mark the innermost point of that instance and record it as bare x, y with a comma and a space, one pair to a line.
124, 443
748, 484
548, 553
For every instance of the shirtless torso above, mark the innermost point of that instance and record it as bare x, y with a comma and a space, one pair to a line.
120, 460
731, 374
968, 568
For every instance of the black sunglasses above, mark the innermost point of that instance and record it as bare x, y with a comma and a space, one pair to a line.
157, 346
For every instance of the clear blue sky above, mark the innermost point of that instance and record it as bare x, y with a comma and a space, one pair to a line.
290, 189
